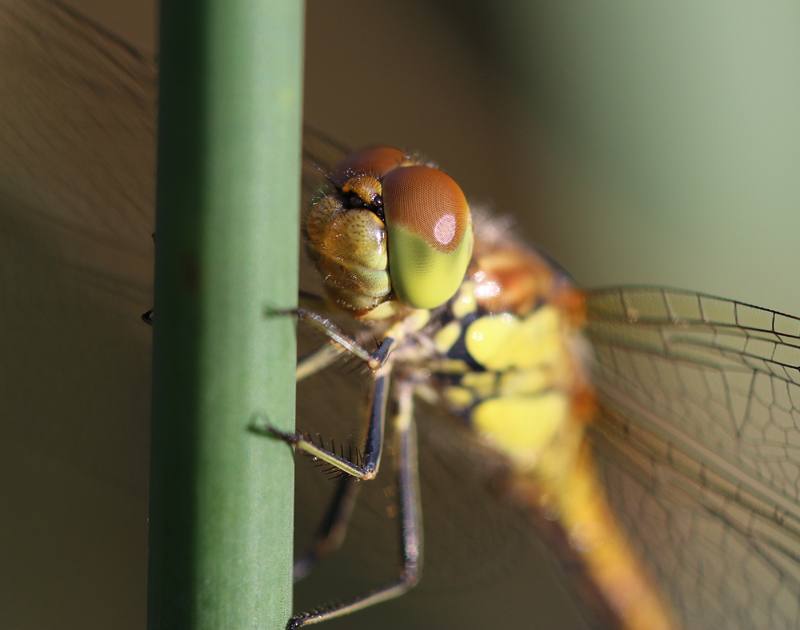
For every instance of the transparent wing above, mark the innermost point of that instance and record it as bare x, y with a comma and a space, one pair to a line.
320, 154
699, 444
77, 184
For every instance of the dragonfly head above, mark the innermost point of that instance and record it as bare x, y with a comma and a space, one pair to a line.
394, 229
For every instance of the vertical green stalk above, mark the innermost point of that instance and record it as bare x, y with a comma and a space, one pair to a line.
228, 193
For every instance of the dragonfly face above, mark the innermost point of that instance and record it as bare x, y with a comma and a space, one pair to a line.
384, 195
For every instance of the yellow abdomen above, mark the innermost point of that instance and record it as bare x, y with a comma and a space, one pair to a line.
520, 380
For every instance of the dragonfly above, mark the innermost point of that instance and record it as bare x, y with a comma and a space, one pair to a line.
694, 440
650, 432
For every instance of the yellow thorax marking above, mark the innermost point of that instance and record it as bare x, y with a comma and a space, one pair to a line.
504, 341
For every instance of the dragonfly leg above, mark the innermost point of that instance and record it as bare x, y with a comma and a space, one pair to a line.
332, 530
374, 444
339, 343
411, 521
333, 332
319, 359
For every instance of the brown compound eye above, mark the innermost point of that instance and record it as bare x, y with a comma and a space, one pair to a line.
374, 162
429, 234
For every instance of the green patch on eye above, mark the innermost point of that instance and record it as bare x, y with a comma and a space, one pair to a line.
422, 276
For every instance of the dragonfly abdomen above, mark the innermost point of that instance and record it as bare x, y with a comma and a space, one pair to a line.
514, 366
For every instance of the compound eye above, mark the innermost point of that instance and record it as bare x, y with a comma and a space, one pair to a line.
374, 162
429, 233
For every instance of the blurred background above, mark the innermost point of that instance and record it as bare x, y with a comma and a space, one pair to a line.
635, 143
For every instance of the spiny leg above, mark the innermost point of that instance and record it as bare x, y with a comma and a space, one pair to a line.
338, 345
332, 531
332, 331
373, 448
334, 526
411, 521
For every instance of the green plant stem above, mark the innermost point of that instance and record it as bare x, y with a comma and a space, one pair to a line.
221, 511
